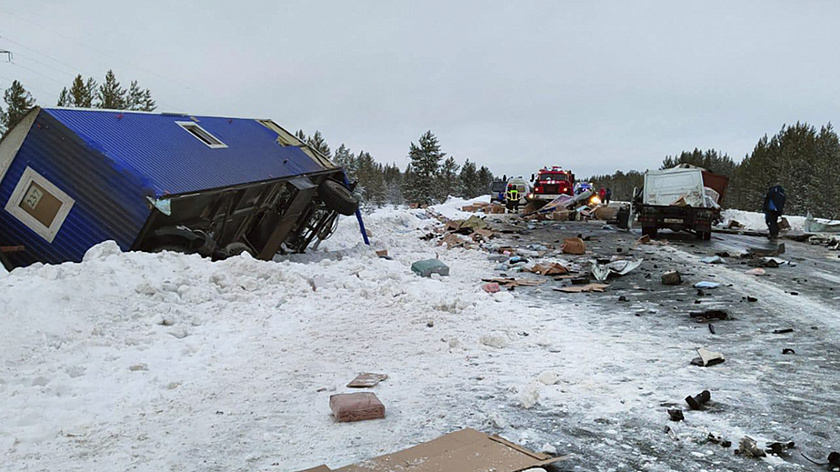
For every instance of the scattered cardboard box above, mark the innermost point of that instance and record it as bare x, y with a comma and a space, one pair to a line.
466, 450
574, 246
549, 269
367, 380
513, 282
582, 288
347, 407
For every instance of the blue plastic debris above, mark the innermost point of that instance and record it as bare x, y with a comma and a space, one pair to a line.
517, 260
426, 268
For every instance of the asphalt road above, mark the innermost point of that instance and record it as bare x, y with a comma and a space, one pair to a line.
758, 391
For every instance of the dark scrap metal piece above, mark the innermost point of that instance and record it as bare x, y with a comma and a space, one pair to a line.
676, 414
788, 350
782, 330
696, 402
705, 316
779, 448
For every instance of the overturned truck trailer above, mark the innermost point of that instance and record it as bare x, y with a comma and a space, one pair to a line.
72, 178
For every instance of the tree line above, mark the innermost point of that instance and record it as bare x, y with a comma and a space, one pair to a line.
803, 159
82, 93
430, 177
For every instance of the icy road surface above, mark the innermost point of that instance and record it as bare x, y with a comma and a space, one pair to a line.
155, 362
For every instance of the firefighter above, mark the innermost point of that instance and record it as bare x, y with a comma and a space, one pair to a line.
512, 199
774, 205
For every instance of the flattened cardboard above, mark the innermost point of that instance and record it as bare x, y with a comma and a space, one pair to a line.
367, 380
466, 450
582, 288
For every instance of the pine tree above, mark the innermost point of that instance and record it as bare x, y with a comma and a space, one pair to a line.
485, 181
82, 92
425, 160
18, 103
64, 98
139, 99
393, 184
301, 135
317, 142
448, 182
344, 158
468, 180
371, 181
110, 94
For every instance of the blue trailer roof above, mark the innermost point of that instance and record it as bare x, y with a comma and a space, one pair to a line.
171, 160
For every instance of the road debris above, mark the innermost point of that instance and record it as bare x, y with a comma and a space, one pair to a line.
712, 260
707, 285
367, 380
582, 288
747, 447
574, 246
779, 448
491, 287
671, 278
708, 315
782, 330
514, 282
426, 268
622, 267
788, 350
676, 414
348, 407
549, 269
464, 450
696, 402
707, 358
758, 271
754, 252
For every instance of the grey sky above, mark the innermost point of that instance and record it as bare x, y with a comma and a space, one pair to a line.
592, 86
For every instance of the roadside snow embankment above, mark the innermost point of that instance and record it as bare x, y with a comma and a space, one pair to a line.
166, 361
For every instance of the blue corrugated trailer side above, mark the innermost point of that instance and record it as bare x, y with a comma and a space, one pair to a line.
109, 204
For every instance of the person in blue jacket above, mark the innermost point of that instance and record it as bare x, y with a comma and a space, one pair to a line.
774, 205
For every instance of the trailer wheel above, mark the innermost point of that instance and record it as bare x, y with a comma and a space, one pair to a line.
649, 231
337, 197
704, 235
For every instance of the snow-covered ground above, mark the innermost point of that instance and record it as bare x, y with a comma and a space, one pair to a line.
149, 362
754, 221
135, 361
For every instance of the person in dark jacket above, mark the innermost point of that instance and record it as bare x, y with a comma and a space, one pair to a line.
774, 205
608, 196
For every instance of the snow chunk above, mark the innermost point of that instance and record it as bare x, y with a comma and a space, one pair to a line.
529, 395
548, 378
102, 251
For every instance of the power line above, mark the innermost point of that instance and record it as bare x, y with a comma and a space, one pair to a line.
50, 31
75, 70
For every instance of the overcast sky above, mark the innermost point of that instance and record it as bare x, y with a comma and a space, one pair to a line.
592, 86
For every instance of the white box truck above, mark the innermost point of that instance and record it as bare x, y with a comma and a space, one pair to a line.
683, 198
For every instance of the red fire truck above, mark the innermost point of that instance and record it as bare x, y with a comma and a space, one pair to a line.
549, 183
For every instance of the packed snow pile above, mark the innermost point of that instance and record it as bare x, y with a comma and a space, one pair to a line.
167, 361
451, 208
754, 221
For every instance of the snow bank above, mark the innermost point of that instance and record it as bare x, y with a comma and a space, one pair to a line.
451, 208
755, 221
166, 361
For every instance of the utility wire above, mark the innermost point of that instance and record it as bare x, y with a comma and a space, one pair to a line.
98, 51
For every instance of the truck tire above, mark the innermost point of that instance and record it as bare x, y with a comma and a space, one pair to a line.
704, 235
337, 197
649, 231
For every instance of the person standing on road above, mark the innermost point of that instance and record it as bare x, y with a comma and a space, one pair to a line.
607, 196
774, 205
602, 194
